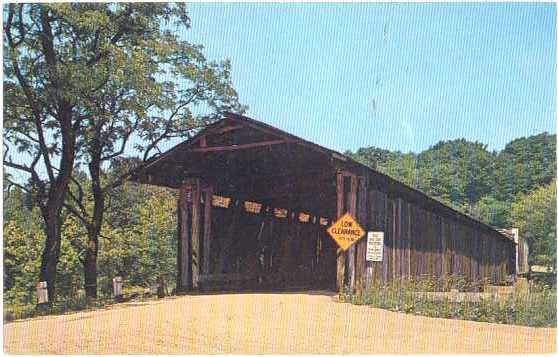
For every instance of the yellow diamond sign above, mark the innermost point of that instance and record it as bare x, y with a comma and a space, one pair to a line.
346, 231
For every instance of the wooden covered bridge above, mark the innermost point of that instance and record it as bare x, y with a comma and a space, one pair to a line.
255, 203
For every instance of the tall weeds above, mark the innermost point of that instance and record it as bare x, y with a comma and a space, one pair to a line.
534, 307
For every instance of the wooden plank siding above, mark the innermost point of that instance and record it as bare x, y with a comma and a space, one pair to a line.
421, 242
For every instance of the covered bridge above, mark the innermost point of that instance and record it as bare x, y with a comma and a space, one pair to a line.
255, 203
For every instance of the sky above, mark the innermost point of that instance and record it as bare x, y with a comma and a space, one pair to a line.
395, 76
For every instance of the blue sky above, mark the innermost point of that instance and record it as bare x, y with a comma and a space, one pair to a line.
396, 76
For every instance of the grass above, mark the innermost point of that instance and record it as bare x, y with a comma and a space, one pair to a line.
15, 311
535, 306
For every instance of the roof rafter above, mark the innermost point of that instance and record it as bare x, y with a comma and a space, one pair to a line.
238, 146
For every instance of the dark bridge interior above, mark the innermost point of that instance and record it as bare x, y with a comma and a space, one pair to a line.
239, 247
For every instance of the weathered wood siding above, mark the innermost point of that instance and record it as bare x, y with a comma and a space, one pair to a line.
419, 241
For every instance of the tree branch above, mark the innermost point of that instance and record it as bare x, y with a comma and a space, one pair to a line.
168, 126
76, 214
112, 41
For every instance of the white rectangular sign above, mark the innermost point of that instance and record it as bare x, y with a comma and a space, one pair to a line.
375, 247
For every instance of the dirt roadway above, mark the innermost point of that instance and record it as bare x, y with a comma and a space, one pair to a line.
305, 322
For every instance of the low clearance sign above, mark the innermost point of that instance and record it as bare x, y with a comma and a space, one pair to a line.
345, 231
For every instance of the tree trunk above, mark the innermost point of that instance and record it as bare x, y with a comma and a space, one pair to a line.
90, 267
51, 250
52, 210
90, 263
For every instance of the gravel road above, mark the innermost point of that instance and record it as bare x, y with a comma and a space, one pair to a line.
301, 322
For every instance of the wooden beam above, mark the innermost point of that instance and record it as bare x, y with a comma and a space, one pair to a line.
195, 231
238, 147
184, 279
340, 253
351, 253
362, 217
208, 192
226, 129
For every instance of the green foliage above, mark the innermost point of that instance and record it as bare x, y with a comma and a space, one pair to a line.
494, 212
392, 163
84, 83
535, 216
138, 242
457, 172
535, 308
505, 189
523, 165
21, 261
23, 240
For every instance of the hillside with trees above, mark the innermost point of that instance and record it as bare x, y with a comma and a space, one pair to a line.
514, 187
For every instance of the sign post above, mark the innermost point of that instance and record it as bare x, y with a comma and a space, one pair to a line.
345, 231
117, 288
42, 292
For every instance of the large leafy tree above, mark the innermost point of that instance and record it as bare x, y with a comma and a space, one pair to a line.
524, 165
157, 87
84, 81
43, 87
535, 216
457, 171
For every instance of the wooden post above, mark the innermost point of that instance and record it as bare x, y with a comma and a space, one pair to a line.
184, 279
42, 292
409, 239
352, 250
196, 193
394, 241
363, 220
443, 252
207, 230
371, 213
383, 226
117, 288
340, 253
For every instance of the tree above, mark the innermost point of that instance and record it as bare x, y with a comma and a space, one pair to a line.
523, 165
42, 88
23, 239
139, 236
494, 212
457, 171
535, 216
157, 87
400, 166
82, 81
